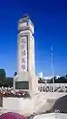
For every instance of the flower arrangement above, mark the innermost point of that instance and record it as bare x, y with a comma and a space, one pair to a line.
12, 115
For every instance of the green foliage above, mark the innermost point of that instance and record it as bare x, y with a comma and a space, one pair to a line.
62, 79
15, 73
2, 74
9, 81
59, 80
5, 81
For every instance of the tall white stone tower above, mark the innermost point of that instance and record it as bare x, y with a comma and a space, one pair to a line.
26, 79
26, 45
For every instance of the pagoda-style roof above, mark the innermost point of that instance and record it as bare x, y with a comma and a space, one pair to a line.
26, 16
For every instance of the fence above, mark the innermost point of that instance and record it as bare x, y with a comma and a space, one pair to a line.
48, 87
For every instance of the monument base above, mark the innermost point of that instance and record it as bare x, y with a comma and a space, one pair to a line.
26, 81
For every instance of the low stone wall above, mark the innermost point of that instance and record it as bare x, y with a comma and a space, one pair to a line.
53, 95
21, 105
41, 102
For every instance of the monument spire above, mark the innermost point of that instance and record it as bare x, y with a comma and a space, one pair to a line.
26, 78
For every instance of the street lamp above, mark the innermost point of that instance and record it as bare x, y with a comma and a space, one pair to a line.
52, 65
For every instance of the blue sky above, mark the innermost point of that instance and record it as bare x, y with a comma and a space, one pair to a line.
50, 21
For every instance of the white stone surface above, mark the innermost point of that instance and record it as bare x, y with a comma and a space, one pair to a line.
24, 106
27, 36
51, 116
38, 103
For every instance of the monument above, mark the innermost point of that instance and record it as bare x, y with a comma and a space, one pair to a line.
25, 78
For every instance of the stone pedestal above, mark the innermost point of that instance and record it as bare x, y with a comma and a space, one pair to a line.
30, 82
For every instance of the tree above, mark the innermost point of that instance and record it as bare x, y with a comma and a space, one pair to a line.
2, 73
9, 82
15, 73
66, 75
5, 81
2, 76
